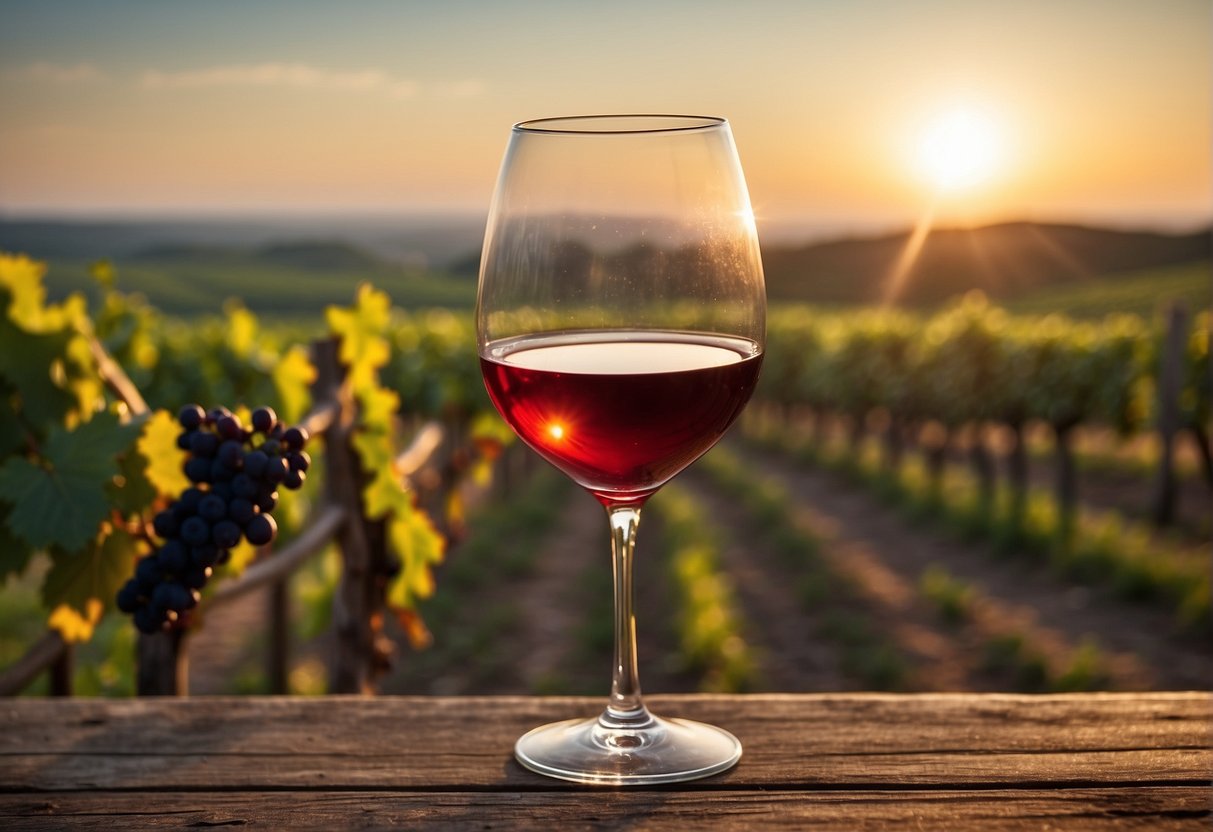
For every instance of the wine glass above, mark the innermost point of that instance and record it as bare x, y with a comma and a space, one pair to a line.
620, 320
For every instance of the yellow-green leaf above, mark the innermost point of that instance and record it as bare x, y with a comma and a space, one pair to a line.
158, 445
293, 376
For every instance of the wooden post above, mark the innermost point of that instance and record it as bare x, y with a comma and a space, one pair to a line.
61, 671
1067, 479
163, 664
983, 467
1170, 379
354, 604
277, 664
1017, 476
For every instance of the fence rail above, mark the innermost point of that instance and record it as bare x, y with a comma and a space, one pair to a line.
339, 518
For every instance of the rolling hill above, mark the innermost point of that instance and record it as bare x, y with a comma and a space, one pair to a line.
1006, 261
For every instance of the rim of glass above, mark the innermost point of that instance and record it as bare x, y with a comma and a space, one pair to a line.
619, 124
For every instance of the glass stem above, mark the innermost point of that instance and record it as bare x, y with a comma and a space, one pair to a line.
625, 708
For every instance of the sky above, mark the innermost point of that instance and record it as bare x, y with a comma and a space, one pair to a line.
848, 114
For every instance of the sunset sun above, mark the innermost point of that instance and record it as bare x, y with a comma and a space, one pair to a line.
960, 149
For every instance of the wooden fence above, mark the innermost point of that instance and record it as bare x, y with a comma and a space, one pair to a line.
360, 649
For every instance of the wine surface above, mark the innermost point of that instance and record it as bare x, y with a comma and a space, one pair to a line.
621, 412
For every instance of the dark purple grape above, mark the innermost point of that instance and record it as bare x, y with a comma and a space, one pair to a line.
205, 554
223, 490
198, 469
226, 534
170, 595
229, 427
261, 530
254, 463
148, 620
294, 479
191, 416
165, 524
190, 498
217, 413
204, 443
240, 511
220, 472
195, 532
147, 571
264, 419
299, 461
295, 438
192, 597
275, 470
231, 454
224, 557
267, 501
271, 447
173, 557
212, 508
183, 440
196, 577
128, 597
244, 487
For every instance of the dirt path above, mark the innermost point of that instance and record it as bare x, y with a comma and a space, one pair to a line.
889, 555
553, 611
791, 656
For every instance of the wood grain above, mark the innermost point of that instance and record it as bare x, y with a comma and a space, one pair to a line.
1168, 808
850, 760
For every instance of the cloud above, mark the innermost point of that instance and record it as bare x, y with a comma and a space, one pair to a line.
300, 76
61, 74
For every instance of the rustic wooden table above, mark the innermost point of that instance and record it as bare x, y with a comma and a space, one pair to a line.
847, 761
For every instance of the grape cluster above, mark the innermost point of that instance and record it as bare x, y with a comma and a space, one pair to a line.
236, 472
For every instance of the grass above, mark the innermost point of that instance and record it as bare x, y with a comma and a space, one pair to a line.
1098, 548
467, 623
867, 654
275, 292
1143, 293
708, 620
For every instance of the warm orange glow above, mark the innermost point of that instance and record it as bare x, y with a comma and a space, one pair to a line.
960, 149
556, 431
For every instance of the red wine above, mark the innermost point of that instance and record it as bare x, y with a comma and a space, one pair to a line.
621, 412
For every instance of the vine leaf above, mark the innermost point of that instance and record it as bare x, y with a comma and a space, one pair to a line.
60, 502
27, 361
363, 346
419, 546
14, 554
293, 375
158, 445
80, 585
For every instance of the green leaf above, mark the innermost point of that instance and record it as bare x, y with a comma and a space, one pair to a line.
14, 554
95, 574
61, 502
27, 361
12, 432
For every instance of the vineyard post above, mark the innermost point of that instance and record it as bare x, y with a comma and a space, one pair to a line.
1017, 475
983, 466
61, 671
358, 602
163, 664
1067, 477
1170, 379
277, 655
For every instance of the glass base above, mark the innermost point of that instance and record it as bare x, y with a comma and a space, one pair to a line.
628, 752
